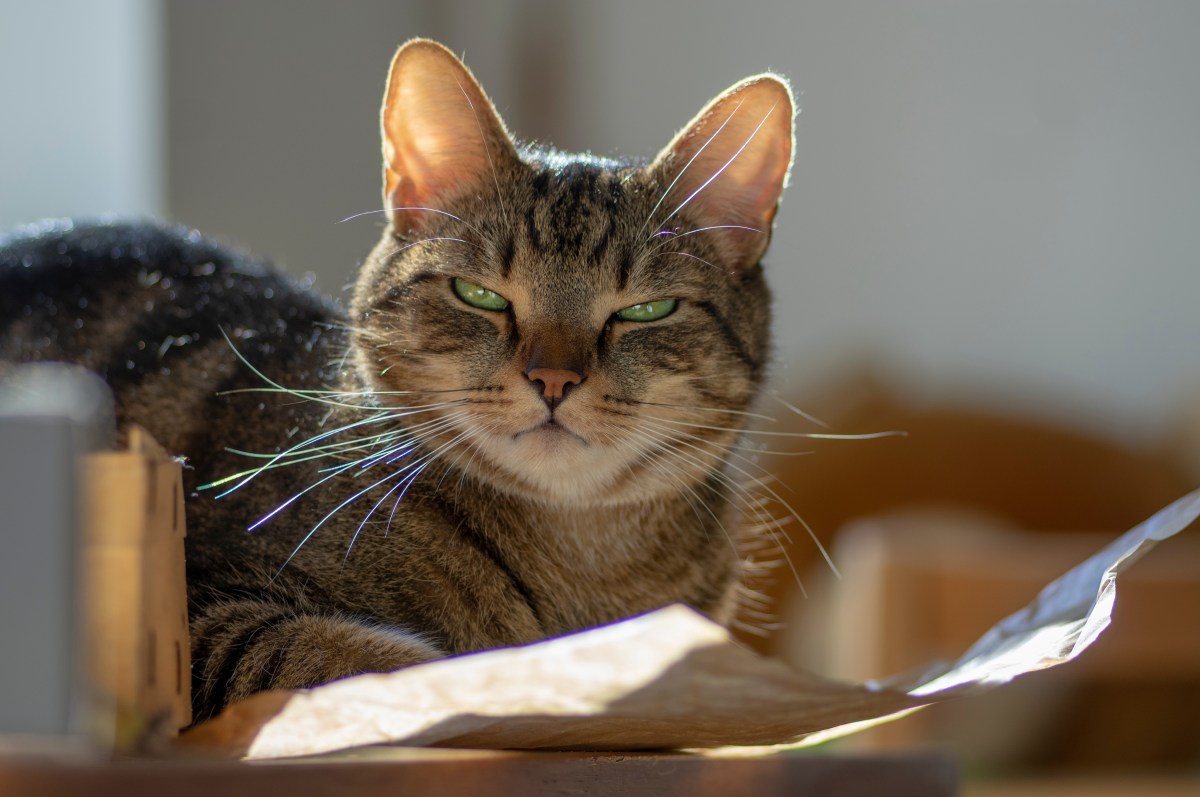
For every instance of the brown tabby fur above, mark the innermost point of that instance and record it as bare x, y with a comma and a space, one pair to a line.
471, 511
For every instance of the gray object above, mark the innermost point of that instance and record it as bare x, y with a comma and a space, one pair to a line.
49, 416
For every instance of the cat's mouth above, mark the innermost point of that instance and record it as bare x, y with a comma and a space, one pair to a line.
550, 428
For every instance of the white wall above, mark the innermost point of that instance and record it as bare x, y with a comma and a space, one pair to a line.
80, 110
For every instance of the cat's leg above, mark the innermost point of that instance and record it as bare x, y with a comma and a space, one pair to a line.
246, 646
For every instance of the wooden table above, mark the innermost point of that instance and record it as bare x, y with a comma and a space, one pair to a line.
447, 773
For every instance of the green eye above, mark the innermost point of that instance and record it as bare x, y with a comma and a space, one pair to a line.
648, 311
479, 296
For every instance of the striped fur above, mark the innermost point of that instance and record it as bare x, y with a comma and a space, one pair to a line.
425, 505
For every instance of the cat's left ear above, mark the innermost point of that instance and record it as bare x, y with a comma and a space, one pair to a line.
727, 169
442, 138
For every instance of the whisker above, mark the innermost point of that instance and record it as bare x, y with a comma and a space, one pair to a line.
417, 468
797, 410
316, 438
297, 496
718, 172
671, 236
691, 408
431, 239
477, 432
320, 452
300, 448
693, 257
411, 441
335, 510
346, 393
812, 535
768, 524
488, 150
739, 489
272, 382
661, 465
667, 192
428, 210
806, 435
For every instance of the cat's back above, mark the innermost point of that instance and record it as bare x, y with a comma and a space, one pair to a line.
136, 270
156, 310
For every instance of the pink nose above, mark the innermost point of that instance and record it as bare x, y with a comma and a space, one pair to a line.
554, 380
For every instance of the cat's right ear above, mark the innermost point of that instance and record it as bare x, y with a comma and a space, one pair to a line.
442, 138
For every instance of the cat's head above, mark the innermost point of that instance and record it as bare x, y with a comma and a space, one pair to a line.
564, 326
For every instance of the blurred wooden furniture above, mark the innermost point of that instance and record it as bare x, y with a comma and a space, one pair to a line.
1031, 474
1168, 786
917, 587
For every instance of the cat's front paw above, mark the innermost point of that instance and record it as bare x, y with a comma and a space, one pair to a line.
323, 649
243, 647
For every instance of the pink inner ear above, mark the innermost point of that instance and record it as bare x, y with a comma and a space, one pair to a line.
730, 165
442, 137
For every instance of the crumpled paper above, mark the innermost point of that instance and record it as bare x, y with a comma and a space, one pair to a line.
670, 679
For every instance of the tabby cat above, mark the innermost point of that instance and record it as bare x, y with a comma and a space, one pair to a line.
527, 424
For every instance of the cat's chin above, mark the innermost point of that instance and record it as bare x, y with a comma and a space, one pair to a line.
550, 462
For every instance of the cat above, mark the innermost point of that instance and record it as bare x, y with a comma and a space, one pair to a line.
527, 423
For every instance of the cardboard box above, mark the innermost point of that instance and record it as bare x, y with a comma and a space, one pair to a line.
135, 602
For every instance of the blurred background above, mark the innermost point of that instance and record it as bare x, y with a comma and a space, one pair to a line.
992, 199
991, 241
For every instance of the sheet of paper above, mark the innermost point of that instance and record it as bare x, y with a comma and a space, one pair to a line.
669, 679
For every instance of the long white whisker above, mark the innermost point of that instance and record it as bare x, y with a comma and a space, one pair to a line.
476, 432
429, 210
662, 465
679, 434
336, 471
797, 410
291, 453
806, 435
689, 408
693, 257
488, 151
417, 467
345, 393
686, 166
768, 524
669, 236
412, 440
378, 418
342, 505
718, 172
812, 535
431, 239
737, 488
321, 452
